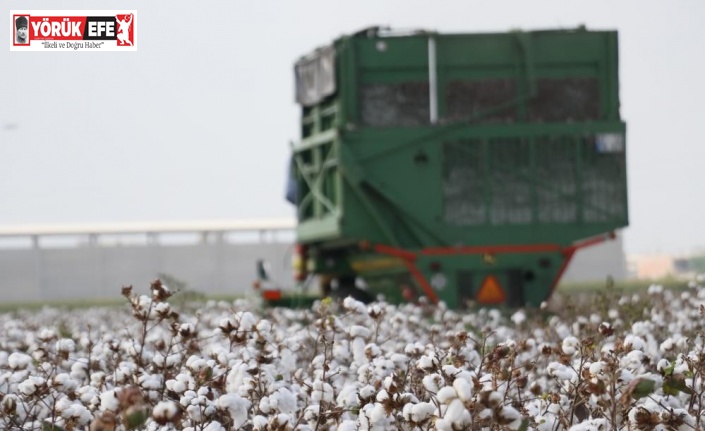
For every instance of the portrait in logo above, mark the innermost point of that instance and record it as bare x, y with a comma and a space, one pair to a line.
21, 30
125, 31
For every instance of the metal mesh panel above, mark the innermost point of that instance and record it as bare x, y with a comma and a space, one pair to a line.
510, 181
468, 99
567, 99
603, 178
556, 183
405, 104
463, 184
315, 77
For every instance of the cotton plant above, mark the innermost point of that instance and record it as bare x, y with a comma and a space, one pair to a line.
633, 362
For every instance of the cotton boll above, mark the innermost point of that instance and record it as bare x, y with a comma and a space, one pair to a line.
457, 414
510, 417
591, 425
570, 345
636, 343
421, 411
446, 394
463, 388
432, 382
18, 361
348, 425
354, 306
359, 331
64, 383
27, 387
598, 368
519, 317
109, 401
399, 359
165, 411
560, 371
236, 406
259, 422
214, 426
283, 400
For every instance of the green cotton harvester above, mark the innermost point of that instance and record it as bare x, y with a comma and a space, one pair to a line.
464, 168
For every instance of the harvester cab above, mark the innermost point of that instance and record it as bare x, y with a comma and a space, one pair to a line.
464, 168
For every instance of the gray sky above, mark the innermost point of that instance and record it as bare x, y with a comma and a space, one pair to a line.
196, 123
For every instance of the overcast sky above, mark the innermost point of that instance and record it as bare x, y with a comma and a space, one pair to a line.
196, 123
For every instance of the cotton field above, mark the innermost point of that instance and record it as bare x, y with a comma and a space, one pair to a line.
599, 362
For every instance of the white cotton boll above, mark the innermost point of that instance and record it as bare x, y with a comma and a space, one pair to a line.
162, 308
382, 396
662, 365
348, 425
88, 395
422, 411
264, 405
560, 371
236, 406
283, 400
426, 362
636, 342
682, 342
510, 416
406, 411
165, 411
27, 387
463, 388
613, 314
176, 386
632, 360
372, 350
591, 425
444, 425
81, 414
322, 392
415, 349
378, 415
79, 370
457, 414
519, 317
432, 382
367, 392
598, 368
264, 326
109, 401
341, 350
18, 361
247, 320
570, 345
446, 394
260, 422
214, 426
354, 306
64, 383
563, 331
358, 351
359, 331
66, 345
194, 413
655, 289
150, 382
667, 345
399, 359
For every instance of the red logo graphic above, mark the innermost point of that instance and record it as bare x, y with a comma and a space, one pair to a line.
125, 35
